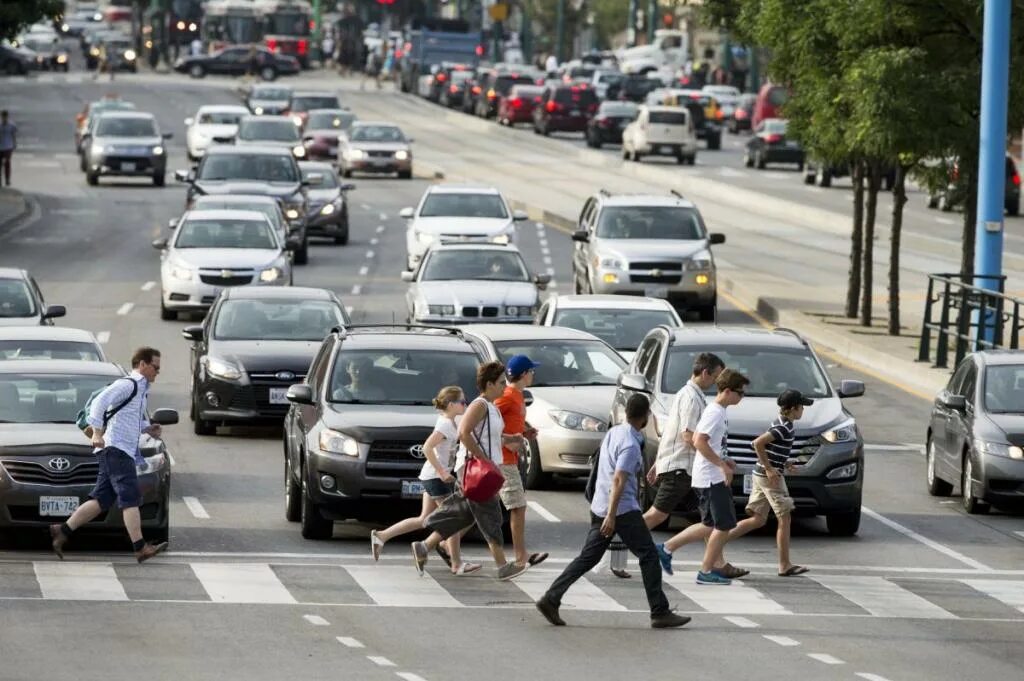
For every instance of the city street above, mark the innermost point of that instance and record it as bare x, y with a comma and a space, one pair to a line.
923, 591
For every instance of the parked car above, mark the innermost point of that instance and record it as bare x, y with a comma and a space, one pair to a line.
328, 201
269, 100
829, 446
954, 194
49, 342
975, 437
237, 61
660, 131
564, 108
212, 124
126, 144
320, 136
22, 302
608, 123
253, 344
375, 148
769, 144
516, 106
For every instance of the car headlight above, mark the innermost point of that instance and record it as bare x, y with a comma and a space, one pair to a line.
338, 443
129, 55
327, 210
151, 464
183, 273
519, 311
221, 369
500, 239
94, 52
576, 421
297, 120
998, 449
700, 261
425, 238
62, 59
299, 151
258, 111
401, 154
611, 263
158, 151
844, 432
443, 310
96, 149
292, 214
843, 472
356, 154
271, 274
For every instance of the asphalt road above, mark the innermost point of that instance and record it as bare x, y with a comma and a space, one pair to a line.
922, 592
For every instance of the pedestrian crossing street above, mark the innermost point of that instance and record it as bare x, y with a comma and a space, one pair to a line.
398, 585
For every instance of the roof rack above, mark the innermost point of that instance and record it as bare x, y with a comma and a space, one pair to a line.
791, 332
345, 331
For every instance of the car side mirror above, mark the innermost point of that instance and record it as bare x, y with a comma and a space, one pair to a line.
954, 402
407, 213
581, 235
408, 276
527, 398
164, 417
172, 223
347, 187
520, 216
542, 280
715, 238
168, 135
160, 244
634, 382
189, 122
851, 388
182, 175
192, 333
300, 394
54, 311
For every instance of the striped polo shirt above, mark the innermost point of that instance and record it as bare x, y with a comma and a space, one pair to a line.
778, 450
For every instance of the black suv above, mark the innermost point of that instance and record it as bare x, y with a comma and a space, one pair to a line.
496, 84
354, 433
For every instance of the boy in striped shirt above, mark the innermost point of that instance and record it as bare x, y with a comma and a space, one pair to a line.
769, 486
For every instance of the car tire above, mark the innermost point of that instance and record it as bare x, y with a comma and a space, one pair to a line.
937, 487
92, 178
347, 172
1013, 207
748, 160
823, 178
680, 160
637, 156
808, 177
341, 239
706, 313
800, 167
268, 73
692, 160
715, 143
314, 525
843, 524
292, 494
534, 476
759, 161
972, 504
159, 180
197, 71
302, 255
167, 314
201, 426
405, 174
82, 165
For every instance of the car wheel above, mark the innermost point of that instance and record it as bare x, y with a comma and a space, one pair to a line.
92, 178
625, 153
167, 314
748, 160
680, 159
933, 201
302, 255
201, 426
197, 71
808, 177
159, 180
268, 73
715, 142
534, 476
314, 525
937, 487
972, 504
405, 174
547, 130
692, 160
341, 238
843, 524
347, 172
706, 313
800, 167
292, 493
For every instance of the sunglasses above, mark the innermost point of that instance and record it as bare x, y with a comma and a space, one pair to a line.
462, 402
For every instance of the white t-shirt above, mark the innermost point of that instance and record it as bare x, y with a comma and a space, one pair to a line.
492, 446
715, 424
445, 450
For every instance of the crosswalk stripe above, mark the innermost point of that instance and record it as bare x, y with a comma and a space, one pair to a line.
401, 586
881, 597
735, 599
79, 581
1010, 592
582, 596
241, 583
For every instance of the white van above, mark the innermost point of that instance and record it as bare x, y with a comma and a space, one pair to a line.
661, 131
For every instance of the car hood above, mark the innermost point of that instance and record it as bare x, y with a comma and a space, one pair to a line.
481, 227
752, 415
322, 195
1012, 425
275, 189
216, 130
42, 434
652, 249
369, 422
477, 292
128, 141
592, 400
268, 143
379, 146
223, 258
32, 320
262, 355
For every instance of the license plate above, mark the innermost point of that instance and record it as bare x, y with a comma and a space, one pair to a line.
665, 150
279, 395
791, 145
412, 489
748, 484
575, 112
128, 167
656, 291
60, 507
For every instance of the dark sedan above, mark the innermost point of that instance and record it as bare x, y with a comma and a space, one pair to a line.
238, 61
770, 145
607, 124
454, 91
47, 468
254, 343
564, 108
328, 205
21, 301
741, 116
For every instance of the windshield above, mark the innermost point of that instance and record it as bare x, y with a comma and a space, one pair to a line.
376, 133
15, 299
329, 179
649, 222
48, 398
271, 93
295, 320
621, 329
1004, 389
770, 370
125, 127
400, 376
262, 167
443, 204
469, 264
219, 118
109, 105
306, 103
225, 234
270, 129
566, 362
286, 23
49, 349
337, 120
212, 203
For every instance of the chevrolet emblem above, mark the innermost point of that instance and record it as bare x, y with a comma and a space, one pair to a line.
655, 273
226, 274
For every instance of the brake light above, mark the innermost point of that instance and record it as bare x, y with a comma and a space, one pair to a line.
551, 107
440, 78
303, 46
741, 114
515, 102
476, 89
772, 139
479, 50
719, 114
453, 89
491, 94
604, 123
272, 44
1016, 179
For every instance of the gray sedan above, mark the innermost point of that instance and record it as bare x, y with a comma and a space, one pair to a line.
375, 148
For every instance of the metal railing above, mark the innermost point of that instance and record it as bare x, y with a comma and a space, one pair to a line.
969, 316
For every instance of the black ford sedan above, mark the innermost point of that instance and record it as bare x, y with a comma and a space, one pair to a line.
254, 343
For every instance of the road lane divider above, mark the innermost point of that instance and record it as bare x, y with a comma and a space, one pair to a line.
349, 642
825, 658
103, 337
784, 641
363, 271
148, 285
356, 289
316, 620
930, 543
542, 512
196, 508
125, 309
409, 676
381, 661
741, 622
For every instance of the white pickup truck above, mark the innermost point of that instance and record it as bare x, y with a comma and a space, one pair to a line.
661, 131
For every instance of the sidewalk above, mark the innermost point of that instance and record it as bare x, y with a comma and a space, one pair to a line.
13, 206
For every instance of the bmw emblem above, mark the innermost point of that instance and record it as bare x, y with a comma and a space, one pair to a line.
417, 452
284, 376
59, 463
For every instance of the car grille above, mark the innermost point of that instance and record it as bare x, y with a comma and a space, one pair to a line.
37, 473
662, 265
132, 151
220, 280
651, 279
473, 311
741, 447
380, 154
391, 459
141, 162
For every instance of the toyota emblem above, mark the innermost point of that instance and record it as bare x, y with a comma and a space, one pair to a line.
59, 463
284, 376
417, 452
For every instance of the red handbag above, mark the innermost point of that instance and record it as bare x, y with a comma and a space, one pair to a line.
481, 478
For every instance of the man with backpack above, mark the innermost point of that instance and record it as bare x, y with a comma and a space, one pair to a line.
115, 420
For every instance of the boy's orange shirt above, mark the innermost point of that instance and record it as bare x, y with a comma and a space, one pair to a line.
513, 410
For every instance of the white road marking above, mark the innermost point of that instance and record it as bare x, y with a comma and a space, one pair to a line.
735, 599
196, 508
583, 595
409, 676
374, 241
380, 661
401, 586
380, 228
103, 337
881, 597
241, 583
871, 677
369, 254
741, 622
1010, 592
1019, 533
357, 289
148, 285
894, 448
383, 217
783, 641
540, 226
349, 642
547, 259
363, 271
364, 206
543, 242
930, 543
316, 620
75, 581
944, 221
72, 211
125, 309
825, 659
542, 512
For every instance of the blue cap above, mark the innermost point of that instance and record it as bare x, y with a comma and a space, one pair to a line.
518, 365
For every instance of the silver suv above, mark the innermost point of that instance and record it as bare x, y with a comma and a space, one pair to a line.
649, 245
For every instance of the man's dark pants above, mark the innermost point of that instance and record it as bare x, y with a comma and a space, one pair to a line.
634, 534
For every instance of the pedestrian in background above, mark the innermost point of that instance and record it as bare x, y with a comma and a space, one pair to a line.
519, 372
8, 143
196, 47
116, 441
615, 509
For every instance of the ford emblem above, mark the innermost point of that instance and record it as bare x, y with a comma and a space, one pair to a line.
417, 452
284, 376
59, 463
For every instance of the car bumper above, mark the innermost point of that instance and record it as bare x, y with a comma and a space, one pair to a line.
684, 288
195, 295
356, 489
783, 155
379, 165
325, 224
244, 400
128, 165
567, 452
321, 152
1002, 480
670, 149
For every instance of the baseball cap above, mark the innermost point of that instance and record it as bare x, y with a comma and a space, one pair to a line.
518, 365
793, 398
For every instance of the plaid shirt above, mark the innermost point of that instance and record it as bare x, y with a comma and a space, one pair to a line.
124, 429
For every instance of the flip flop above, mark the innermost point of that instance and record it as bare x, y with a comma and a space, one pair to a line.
794, 571
466, 569
537, 558
376, 545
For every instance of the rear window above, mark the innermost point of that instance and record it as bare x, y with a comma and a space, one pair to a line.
668, 117
623, 109
777, 96
575, 96
505, 83
526, 91
310, 103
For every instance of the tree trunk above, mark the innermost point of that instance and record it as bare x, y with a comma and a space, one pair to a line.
856, 243
870, 210
899, 199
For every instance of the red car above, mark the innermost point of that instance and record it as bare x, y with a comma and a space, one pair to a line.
517, 105
564, 108
770, 101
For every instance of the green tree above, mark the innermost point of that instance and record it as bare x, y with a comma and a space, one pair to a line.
15, 15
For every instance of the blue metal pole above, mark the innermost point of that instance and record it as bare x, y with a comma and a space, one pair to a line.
995, 76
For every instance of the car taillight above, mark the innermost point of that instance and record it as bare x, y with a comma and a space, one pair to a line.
272, 44
720, 114
551, 107
515, 102
440, 78
453, 89
1016, 180
491, 94
772, 139
479, 50
741, 114
303, 46
604, 123
476, 90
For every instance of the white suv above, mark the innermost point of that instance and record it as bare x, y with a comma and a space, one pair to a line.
449, 212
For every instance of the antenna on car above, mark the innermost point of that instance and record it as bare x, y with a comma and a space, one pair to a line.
677, 194
604, 192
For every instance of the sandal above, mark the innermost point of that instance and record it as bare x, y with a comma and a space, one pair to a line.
466, 569
794, 570
537, 558
376, 545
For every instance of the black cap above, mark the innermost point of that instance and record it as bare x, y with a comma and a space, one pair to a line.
793, 398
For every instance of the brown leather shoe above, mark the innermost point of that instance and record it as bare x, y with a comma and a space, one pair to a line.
58, 541
149, 550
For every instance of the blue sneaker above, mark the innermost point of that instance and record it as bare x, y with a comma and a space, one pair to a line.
665, 558
712, 579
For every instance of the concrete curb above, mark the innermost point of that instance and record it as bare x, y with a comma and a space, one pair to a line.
23, 210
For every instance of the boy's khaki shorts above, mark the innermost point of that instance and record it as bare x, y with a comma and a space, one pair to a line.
512, 493
763, 497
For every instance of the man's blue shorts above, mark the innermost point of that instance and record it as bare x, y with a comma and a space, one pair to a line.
117, 480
